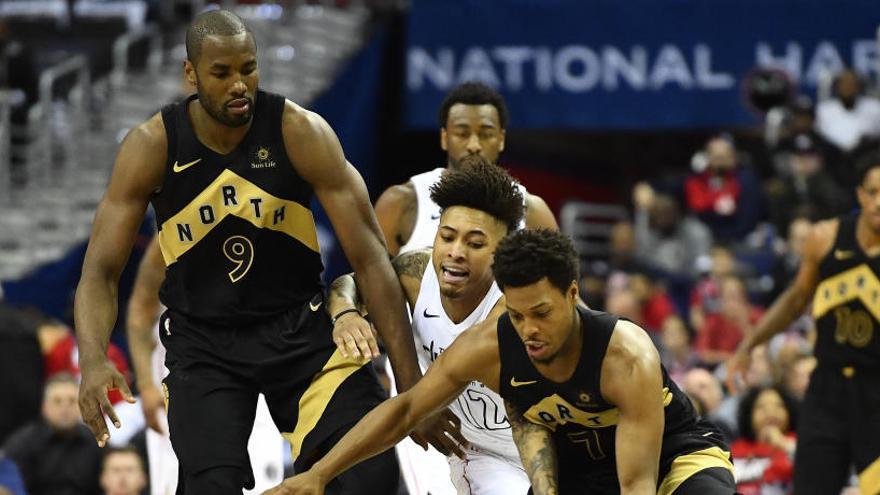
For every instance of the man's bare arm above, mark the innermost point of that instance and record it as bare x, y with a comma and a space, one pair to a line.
791, 303
410, 267
538, 214
143, 311
536, 450
396, 212
137, 174
318, 158
632, 381
473, 356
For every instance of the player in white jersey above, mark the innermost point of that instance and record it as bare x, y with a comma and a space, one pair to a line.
148, 357
473, 121
451, 288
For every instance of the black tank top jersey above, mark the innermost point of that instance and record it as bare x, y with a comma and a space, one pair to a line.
582, 421
236, 232
846, 304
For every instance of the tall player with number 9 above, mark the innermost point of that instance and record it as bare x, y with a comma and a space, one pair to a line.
230, 172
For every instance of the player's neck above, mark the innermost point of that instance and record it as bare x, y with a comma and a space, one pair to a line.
867, 238
457, 309
216, 136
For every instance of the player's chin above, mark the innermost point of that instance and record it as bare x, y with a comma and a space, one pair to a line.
238, 120
451, 291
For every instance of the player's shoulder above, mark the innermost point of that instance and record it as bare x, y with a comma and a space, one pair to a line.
821, 239
412, 263
398, 194
151, 132
629, 342
298, 120
147, 142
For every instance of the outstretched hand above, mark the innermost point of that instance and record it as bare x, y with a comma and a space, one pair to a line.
443, 431
98, 378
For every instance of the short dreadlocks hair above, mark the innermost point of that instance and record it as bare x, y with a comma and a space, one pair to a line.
212, 23
482, 186
474, 93
526, 256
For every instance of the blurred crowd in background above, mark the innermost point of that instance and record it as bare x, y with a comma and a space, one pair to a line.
692, 249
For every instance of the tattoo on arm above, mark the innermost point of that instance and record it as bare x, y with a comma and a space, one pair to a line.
536, 450
411, 264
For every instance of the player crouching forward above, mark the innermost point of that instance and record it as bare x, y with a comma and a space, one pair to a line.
591, 407
450, 288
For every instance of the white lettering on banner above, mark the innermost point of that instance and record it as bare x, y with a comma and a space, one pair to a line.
544, 69
703, 70
438, 70
790, 62
864, 56
826, 62
567, 74
581, 68
477, 66
513, 58
571, 68
633, 70
826, 59
671, 67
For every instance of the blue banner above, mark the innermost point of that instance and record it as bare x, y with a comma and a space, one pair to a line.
628, 64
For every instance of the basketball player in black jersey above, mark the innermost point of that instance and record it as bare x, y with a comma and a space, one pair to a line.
592, 409
840, 274
230, 172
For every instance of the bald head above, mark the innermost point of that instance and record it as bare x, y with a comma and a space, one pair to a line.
212, 23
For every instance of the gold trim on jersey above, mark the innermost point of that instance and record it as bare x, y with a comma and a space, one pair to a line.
554, 411
316, 398
869, 479
231, 194
687, 465
859, 282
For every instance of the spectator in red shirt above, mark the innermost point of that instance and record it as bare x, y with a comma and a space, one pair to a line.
763, 455
704, 298
726, 196
722, 332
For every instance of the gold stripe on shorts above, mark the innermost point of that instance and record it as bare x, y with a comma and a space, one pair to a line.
687, 465
869, 479
315, 399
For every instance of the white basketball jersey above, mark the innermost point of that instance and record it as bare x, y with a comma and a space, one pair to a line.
428, 213
481, 411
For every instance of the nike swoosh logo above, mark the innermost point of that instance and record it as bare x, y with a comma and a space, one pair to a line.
429, 315
435, 217
707, 434
314, 307
840, 254
514, 383
181, 168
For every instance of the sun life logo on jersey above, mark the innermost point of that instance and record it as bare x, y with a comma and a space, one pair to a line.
583, 399
263, 159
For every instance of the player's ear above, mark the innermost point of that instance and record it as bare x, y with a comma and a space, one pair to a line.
444, 137
189, 73
573, 291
